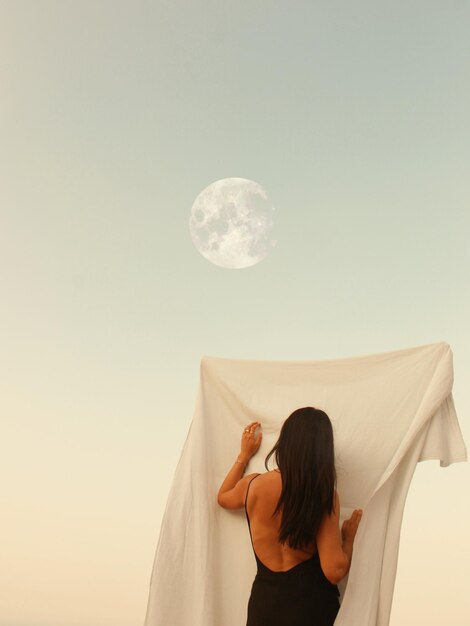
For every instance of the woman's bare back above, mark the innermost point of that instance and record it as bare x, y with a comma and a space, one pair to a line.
263, 495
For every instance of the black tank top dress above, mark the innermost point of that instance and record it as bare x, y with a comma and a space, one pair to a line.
300, 596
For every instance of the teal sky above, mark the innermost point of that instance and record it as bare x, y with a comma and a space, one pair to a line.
113, 118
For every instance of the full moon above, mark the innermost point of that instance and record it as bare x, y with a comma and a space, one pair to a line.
231, 222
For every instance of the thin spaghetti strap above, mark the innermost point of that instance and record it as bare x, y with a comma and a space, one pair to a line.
247, 489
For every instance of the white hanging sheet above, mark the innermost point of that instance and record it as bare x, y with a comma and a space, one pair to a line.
389, 411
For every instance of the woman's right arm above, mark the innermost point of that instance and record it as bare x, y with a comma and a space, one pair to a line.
335, 555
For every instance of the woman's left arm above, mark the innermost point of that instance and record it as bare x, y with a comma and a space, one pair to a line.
249, 447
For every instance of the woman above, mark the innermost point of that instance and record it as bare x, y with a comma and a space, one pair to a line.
293, 519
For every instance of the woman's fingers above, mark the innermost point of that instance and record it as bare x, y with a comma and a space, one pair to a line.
355, 515
250, 443
252, 427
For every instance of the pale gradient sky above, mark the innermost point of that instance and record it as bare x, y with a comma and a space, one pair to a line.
113, 117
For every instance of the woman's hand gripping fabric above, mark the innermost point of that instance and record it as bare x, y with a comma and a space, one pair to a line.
250, 444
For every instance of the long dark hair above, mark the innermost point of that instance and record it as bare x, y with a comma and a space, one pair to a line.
305, 456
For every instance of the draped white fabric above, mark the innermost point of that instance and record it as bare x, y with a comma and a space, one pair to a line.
389, 411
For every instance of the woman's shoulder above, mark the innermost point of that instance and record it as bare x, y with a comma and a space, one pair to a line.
262, 481
265, 489
269, 474
261, 477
